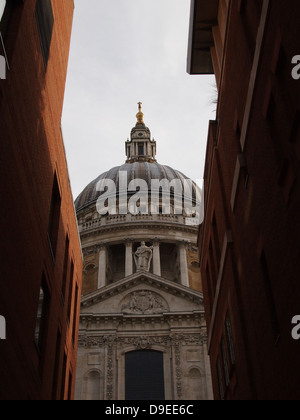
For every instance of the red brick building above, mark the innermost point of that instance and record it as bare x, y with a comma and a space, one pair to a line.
250, 239
40, 255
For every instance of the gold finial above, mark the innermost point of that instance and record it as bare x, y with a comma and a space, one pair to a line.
140, 115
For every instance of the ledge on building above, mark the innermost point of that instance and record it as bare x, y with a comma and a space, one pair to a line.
203, 18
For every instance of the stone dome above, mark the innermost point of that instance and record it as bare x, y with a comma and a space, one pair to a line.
146, 171
148, 186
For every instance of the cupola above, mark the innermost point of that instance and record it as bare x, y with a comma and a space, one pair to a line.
140, 147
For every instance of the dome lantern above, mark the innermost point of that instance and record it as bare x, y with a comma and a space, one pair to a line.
140, 147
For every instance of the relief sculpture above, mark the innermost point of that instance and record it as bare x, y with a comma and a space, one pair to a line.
144, 302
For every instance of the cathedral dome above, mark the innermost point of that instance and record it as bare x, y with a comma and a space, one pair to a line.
146, 171
142, 174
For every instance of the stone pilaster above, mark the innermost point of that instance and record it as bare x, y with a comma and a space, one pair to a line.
156, 258
128, 258
183, 265
102, 266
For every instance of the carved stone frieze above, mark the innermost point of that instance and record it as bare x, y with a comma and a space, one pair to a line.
144, 302
178, 369
110, 368
142, 342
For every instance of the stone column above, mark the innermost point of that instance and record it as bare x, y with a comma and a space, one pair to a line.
128, 259
102, 267
183, 265
156, 259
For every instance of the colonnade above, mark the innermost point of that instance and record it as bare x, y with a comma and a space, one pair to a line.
129, 263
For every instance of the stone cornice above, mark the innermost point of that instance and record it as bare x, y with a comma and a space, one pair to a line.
146, 341
141, 278
138, 226
170, 318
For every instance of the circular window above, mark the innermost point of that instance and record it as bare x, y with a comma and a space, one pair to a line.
90, 267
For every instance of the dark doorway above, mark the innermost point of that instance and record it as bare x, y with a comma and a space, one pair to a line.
144, 376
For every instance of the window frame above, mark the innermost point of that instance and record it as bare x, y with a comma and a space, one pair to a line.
229, 339
45, 23
42, 316
54, 218
220, 379
141, 149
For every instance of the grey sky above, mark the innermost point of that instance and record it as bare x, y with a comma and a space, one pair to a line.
2, 6
123, 52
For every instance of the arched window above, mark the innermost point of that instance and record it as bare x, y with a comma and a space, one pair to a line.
89, 268
194, 373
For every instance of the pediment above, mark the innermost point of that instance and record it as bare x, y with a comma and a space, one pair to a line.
142, 294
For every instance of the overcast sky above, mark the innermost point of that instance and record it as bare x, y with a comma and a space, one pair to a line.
123, 52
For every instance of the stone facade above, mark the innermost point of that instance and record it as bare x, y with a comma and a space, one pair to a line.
142, 291
142, 312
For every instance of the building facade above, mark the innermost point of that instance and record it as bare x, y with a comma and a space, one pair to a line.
142, 327
40, 255
249, 241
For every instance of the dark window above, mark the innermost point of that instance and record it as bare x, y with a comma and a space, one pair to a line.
216, 243
212, 267
45, 22
75, 315
65, 271
225, 364
56, 366
210, 289
54, 218
141, 150
229, 338
70, 292
42, 315
144, 376
64, 374
220, 379
70, 386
